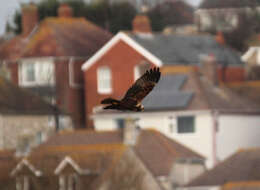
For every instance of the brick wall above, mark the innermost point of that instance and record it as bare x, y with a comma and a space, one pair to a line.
70, 98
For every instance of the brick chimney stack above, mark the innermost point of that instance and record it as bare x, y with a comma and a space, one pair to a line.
209, 68
130, 132
29, 18
65, 10
141, 24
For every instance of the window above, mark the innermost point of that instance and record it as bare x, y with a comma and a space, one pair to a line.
186, 124
32, 73
72, 182
104, 80
68, 182
140, 69
120, 123
62, 182
22, 183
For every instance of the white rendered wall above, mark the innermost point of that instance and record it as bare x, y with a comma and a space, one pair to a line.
200, 141
237, 132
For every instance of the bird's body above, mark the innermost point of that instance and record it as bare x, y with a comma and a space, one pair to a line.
136, 93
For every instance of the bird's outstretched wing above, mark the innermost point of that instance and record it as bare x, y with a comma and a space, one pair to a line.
142, 87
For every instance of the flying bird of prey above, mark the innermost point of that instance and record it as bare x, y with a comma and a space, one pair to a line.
136, 93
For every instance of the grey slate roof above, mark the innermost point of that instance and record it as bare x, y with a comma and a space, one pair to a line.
213, 4
167, 95
184, 49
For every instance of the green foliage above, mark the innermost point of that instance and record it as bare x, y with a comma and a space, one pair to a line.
121, 16
113, 17
17, 28
170, 13
47, 8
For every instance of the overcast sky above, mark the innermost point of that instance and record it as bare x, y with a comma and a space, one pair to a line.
8, 7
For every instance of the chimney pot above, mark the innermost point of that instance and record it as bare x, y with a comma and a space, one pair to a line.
29, 18
65, 10
141, 24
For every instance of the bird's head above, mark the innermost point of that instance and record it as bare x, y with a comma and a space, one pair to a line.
140, 108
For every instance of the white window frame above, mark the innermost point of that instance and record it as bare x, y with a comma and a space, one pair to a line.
62, 182
101, 79
37, 63
22, 183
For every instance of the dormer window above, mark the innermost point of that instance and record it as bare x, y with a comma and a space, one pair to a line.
104, 85
68, 182
22, 183
36, 73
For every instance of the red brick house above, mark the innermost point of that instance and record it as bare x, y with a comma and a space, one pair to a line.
47, 57
127, 55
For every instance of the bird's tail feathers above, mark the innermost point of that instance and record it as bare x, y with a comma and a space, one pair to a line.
110, 101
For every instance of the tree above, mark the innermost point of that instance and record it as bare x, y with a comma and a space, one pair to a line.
170, 13
237, 37
113, 17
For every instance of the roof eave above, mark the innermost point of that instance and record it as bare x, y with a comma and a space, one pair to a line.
121, 36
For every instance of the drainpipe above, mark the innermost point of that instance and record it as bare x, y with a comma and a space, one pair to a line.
215, 115
56, 118
72, 83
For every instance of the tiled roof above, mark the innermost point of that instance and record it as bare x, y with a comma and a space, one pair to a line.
84, 137
225, 99
249, 89
156, 150
66, 37
174, 49
14, 100
245, 185
57, 37
13, 48
92, 157
159, 153
8, 162
241, 166
209, 4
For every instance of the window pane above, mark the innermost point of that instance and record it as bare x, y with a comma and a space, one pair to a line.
45, 74
186, 124
120, 123
29, 72
104, 79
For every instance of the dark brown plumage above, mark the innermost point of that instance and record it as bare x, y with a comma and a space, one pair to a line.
136, 93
